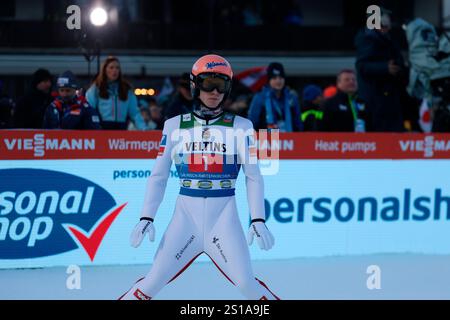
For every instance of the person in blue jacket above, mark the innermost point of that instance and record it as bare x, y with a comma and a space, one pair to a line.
68, 110
114, 98
275, 106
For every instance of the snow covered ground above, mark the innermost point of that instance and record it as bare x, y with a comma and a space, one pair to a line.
402, 277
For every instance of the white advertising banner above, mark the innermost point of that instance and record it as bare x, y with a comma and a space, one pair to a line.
61, 212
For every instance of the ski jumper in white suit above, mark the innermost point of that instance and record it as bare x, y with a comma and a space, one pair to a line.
205, 219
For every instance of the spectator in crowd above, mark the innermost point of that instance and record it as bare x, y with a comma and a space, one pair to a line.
145, 113
114, 98
166, 93
156, 114
275, 107
238, 101
181, 102
311, 113
144, 108
381, 76
30, 109
239, 106
6, 108
344, 111
68, 110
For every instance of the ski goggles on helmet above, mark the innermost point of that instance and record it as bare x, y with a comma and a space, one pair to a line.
209, 81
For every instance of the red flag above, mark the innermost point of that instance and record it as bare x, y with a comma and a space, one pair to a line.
253, 78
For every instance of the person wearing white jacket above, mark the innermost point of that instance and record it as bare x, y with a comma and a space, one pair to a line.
208, 147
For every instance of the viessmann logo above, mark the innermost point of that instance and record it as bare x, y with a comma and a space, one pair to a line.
39, 144
429, 145
43, 213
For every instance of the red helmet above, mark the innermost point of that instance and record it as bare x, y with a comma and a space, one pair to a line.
211, 72
212, 63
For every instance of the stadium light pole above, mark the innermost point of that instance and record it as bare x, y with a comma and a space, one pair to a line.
98, 18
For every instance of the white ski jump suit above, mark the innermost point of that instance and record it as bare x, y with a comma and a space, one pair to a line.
205, 219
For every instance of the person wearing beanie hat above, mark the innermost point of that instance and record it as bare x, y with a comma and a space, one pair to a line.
69, 111
43, 78
275, 69
275, 106
311, 92
67, 80
30, 109
312, 99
